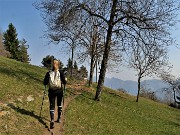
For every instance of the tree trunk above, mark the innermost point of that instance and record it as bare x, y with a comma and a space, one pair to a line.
72, 59
93, 54
96, 71
106, 52
91, 71
96, 65
139, 88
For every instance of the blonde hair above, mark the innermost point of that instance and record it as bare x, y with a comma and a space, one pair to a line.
55, 61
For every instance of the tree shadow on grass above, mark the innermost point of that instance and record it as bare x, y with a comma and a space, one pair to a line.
116, 95
29, 113
31, 76
90, 97
170, 132
19, 74
174, 124
80, 94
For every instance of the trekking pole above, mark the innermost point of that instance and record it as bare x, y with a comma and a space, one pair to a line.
64, 93
43, 100
63, 97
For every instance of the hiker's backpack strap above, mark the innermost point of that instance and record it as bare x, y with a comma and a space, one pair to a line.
46, 78
63, 79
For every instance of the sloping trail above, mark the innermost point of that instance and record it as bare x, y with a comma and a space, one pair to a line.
59, 127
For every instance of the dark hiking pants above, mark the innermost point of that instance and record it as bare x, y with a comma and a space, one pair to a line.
53, 95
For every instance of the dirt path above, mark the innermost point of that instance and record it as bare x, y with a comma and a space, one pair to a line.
59, 127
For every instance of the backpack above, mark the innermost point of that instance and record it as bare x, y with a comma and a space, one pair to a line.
54, 80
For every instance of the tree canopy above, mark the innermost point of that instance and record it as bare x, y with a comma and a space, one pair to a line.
122, 22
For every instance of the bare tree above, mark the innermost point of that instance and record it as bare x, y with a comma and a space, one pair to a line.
69, 36
146, 59
173, 82
91, 45
121, 19
92, 41
62, 30
128, 18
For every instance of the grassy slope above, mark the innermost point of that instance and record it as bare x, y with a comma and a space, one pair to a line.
18, 81
115, 114
119, 114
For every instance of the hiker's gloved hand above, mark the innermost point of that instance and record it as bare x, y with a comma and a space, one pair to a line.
45, 93
44, 90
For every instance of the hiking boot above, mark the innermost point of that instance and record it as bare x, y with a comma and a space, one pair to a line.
58, 120
51, 125
59, 114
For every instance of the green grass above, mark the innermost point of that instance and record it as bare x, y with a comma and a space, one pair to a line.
119, 114
18, 80
115, 114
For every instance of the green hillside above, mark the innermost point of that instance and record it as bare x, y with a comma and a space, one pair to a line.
119, 114
116, 114
17, 82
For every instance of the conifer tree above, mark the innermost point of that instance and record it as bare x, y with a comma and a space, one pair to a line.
75, 65
23, 53
69, 65
3, 51
11, 42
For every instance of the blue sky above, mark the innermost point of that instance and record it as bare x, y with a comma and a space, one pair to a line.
30, 26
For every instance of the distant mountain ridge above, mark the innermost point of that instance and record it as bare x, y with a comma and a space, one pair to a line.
131, 86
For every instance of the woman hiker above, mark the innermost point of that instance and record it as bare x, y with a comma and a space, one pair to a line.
54, 79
